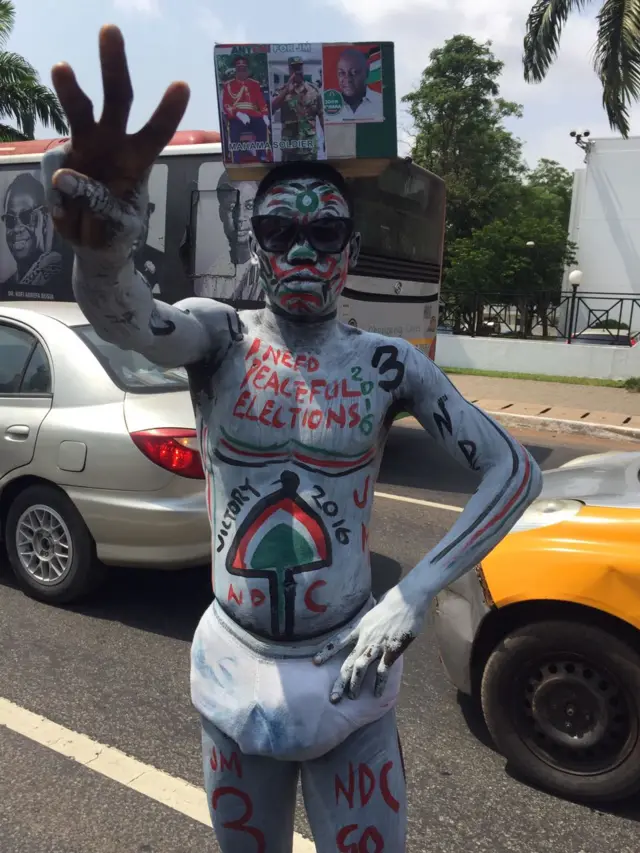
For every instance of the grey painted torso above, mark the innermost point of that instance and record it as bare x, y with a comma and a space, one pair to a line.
292, 430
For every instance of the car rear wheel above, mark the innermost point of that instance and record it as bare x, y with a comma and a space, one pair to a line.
50, 549
562, 703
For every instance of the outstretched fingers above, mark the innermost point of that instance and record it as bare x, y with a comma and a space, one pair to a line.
76, 104
158, 131
94, 196
116, 81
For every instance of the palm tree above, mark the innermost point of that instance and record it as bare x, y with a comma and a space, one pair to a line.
23, 98
617, 50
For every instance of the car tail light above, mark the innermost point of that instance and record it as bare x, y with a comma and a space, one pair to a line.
175, 450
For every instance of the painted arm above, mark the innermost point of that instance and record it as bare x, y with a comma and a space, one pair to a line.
511, 480
115, 298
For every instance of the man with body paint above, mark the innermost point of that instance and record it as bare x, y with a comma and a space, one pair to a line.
295, 668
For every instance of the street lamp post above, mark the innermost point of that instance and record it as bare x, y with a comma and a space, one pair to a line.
530, 244
575, 280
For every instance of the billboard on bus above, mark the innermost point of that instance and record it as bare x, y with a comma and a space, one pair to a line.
35, 263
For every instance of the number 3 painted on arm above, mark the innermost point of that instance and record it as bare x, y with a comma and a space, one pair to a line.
392, 363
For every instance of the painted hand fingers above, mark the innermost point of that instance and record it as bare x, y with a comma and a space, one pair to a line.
116, 82
95, 196
76, 104
158, 131
335, 646
382, 676
51, 162
344, 679
360, 667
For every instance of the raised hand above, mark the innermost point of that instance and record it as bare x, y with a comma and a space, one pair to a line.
95, 183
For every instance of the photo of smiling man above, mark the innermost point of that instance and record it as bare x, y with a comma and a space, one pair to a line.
31, 264
354, 74
225, 266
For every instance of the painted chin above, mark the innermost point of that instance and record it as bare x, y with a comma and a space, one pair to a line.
301, 302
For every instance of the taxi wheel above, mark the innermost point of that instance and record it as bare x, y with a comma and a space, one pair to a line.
50, 549
562, 703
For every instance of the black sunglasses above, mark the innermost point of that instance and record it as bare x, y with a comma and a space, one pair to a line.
25, 217
328, 235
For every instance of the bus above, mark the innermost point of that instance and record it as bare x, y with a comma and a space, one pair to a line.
197, 237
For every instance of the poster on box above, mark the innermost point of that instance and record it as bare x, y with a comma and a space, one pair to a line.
352, 83
305, 101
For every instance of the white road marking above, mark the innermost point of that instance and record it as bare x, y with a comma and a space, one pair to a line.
177, 794
418, 501
170, 791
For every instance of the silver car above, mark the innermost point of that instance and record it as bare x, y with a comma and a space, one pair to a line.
99, 463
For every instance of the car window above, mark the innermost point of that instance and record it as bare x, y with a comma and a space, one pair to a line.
37, 376
16, 346
131, 371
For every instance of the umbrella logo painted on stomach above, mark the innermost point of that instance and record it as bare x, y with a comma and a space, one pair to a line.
281, 537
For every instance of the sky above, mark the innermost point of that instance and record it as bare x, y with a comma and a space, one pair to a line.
173, 40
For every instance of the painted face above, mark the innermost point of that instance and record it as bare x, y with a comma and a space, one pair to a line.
305, 245
351, 76
20, 221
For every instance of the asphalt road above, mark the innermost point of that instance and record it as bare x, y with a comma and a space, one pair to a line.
117, 671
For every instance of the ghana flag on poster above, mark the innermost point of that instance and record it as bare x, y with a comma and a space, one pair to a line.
374, 58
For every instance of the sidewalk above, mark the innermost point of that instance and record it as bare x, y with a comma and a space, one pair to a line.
583, 409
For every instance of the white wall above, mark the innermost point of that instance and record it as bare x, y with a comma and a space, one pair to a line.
605, 223
547, 358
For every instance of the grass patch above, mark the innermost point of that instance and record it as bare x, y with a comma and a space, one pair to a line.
539, 377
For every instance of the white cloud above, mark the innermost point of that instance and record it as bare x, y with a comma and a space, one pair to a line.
143, 7
220, 31
569, 97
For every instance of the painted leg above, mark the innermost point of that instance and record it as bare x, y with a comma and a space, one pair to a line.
355, 795
251, 799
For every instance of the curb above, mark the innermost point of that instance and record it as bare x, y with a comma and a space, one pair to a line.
542, 424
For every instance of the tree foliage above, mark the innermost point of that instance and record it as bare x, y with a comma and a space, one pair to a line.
616, 56
495, 205
458, 115
23, 99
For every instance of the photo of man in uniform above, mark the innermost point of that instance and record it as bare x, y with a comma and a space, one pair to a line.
247, 115
29, 236
236, 276
361, 102
300, 105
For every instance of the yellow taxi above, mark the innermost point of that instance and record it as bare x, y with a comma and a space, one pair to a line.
546, 633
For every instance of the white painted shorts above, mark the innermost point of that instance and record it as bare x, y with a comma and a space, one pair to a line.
274, 701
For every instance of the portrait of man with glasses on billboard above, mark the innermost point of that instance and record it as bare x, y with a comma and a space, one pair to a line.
30, 239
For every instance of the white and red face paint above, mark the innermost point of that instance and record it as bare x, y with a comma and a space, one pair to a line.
305, 282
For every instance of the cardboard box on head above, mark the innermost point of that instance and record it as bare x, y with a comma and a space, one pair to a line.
280, 103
